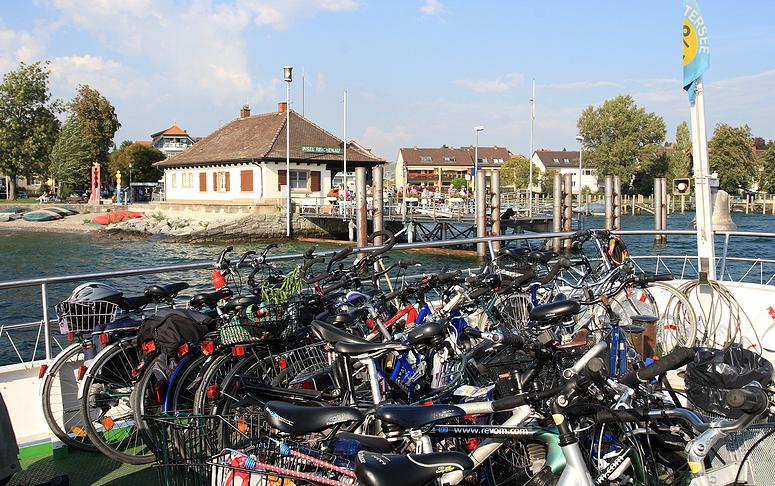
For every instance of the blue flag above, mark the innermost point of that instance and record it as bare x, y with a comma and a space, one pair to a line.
696, 50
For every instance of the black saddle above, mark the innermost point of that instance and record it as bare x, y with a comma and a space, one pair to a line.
209, 300
542, 256
408, 469
134, 303
555, 311
162, 293
356, 349
427, 333
413, 416
300, 420
240, 303
333, 334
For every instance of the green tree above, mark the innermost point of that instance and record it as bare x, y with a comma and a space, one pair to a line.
70, 157
767, 168
28, 122
516, 172
99, 121
141, 157
732, 156
620, 137
680, 160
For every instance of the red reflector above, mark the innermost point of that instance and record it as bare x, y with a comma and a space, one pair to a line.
81, 372
308, 385
213, 392
183, 350
283, 364
472, 444
371, 323
134, 372
70, 337
208, 347
238, 351
425, 404
148, 347
42, 370
471, 416
104, 338
158, 392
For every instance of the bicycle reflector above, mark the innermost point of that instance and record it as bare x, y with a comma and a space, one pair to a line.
218, 281
42, 371
183, 350
213, 392
282, 363
81, 372
207, 347
148, 347
238, 351
104, 338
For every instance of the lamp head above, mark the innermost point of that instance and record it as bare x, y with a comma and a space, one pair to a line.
579, 138
478, 129
288, 74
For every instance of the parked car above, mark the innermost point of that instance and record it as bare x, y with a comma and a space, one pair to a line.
21, 193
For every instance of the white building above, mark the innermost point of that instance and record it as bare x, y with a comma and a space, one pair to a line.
244, 161
566, 162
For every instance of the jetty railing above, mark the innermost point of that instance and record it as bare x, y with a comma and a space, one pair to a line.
671, 263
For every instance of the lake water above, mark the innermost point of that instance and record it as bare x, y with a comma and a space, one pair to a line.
31, 255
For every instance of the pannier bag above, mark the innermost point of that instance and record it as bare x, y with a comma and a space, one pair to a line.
716, 371
617, 250
170, 328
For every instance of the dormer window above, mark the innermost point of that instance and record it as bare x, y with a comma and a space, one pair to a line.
426, 158
449, 158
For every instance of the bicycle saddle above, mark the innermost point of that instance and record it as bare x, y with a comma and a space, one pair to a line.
300, 420
357, 349
209, 300
555, 311
240, 303
407, 469
333, 334
413, 416
161, 293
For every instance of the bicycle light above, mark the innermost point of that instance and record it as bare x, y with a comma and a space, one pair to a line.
208, 347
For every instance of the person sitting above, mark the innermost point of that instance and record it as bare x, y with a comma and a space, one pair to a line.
45, 197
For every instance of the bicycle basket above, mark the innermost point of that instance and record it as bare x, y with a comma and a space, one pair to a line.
254, 323
85, 316
715, 371
304, 361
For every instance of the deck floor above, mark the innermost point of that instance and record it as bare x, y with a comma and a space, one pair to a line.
84, 469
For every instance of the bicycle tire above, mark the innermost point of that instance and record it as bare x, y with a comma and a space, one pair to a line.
687, 329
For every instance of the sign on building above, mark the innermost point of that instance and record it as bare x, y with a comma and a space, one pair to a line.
312, 149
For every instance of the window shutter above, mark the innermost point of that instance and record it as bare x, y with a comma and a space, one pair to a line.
202, 182
246, 180
228, 181
314, 181
215, 182
282, 178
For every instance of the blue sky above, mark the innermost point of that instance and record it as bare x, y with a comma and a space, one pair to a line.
417, 72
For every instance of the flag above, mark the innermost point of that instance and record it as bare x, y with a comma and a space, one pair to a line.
696, 50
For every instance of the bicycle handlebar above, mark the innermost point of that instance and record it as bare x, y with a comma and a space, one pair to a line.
561, 264
675, 359
750, 399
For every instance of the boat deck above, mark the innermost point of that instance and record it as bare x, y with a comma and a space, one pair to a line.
83, 468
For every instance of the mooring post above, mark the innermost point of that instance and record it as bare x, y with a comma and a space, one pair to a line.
657, 205
495, 213
360, 198
377, 202
481, 212
617, 200
557, 210
609, 202
567, 223
665, 211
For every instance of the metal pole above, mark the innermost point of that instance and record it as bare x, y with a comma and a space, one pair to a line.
557, 210
581, 152
702, 186
495, 213
609, 202
567, 220
481, 212
663, 219
530, 155
617, 200
657, 209
288, 158
46, 336
360, 197
344, 149
377, 189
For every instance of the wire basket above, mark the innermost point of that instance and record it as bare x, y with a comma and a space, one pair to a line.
255, 324
186, 444
85, 316
270, 462
304, 361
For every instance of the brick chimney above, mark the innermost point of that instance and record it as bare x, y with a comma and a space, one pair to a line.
244, 112
282, 106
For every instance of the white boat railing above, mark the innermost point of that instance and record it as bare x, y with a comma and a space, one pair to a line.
43, 336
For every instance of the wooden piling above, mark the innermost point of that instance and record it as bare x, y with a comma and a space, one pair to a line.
481, 212
495, 213
377, 201
360, 197
557, 210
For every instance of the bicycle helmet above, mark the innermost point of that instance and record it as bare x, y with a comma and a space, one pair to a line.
92, 291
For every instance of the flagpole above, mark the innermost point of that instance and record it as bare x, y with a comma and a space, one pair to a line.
530, 155
702, 186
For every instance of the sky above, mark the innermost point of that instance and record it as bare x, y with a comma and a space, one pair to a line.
417, 72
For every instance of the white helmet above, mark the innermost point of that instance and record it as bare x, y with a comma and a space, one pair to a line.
92, 291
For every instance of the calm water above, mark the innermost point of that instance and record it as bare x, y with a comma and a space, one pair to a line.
31, 255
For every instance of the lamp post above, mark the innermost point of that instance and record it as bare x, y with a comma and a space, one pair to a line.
580, 139
288, 78
129, 195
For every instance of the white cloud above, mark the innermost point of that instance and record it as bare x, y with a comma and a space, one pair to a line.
109, 77
385, 142
583, 85
20, 46
432, 7
499, 85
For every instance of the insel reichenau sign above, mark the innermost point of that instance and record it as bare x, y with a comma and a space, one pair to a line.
312, 149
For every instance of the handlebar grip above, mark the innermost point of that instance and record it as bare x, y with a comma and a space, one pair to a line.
446, 277
508, 403
475, 294
407, 263
619, 416
311, 262
392, 295
317, 278
750, 400
336, 286
341, 255
595, 370
390, 243
677, 358
310, 251
512, 339
664, 277
523, 279
561, 264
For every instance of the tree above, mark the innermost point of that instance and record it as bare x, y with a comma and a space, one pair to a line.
141, 157
516, 172
620, 137
99, 121
70, 157
767, 168
680, 160
28, 122
732, 156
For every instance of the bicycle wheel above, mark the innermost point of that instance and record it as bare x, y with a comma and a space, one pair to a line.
60, 399
106, 408
181, 399
677, 319
149, 395
213, 375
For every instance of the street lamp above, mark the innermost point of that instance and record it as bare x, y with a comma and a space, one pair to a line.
580, 139
129, 196
288, 78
